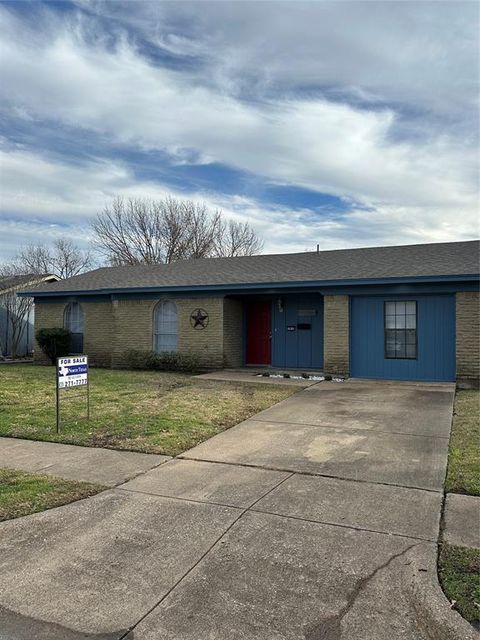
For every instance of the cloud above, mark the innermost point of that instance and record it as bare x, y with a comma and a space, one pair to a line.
315, 143
62, 199
369, 102
408, 53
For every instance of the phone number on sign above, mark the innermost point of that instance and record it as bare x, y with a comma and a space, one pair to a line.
72, 383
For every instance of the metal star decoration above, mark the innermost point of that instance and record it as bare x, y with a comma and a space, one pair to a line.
199, 319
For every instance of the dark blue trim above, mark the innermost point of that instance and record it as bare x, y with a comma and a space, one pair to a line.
402, 289
271, 287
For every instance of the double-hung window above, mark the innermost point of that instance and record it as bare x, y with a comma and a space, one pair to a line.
401, 329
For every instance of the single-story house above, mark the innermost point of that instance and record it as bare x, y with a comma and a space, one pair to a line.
17, 314
401, 312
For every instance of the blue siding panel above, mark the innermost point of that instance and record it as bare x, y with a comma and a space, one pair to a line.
435, 335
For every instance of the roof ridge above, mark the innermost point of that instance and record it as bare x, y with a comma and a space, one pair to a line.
295, 253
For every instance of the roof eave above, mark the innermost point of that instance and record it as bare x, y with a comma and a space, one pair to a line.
253, 285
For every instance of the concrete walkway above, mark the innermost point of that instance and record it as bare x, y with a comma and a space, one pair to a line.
87, 464
317, 520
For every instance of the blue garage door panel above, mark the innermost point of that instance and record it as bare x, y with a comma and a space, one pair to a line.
435, 359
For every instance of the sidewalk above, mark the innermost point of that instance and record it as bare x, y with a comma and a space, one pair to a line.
103, 466
462, 520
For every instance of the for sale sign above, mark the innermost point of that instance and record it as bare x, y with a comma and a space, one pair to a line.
72, 372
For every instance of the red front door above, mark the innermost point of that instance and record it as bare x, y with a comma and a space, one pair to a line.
259, 333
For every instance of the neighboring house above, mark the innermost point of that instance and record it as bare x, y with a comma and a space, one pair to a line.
17, 314
406, 313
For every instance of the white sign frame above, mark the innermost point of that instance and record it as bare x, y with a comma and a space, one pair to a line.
71, 372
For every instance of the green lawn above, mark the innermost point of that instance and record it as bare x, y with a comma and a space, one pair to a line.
463, 474
460, 577
459, 567
25, 493
147, 411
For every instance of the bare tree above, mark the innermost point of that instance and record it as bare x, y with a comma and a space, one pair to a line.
16, 311
238, 239
140, 231
63, 259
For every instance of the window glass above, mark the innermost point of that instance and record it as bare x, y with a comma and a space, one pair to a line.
165, 336
390, 322
401, 329
73, 317
390, 308
411, 308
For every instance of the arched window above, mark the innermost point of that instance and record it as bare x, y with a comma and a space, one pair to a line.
165, 326
73, 321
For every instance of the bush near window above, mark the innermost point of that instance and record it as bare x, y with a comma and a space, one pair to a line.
54, 342
164, 361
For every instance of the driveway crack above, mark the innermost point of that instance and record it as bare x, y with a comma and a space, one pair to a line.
330, 628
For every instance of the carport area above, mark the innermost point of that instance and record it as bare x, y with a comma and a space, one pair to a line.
316, 520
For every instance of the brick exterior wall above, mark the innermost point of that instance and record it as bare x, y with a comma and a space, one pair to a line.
208, 342
133, 328
468, 335
336, 335
232, 333
98, 332
47, 316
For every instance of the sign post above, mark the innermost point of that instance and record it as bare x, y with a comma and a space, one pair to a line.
71, 372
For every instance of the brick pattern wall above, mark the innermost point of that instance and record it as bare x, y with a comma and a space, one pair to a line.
206, 343
232, 333
468, 335
47, 316
131, 327
336, 335
98, 332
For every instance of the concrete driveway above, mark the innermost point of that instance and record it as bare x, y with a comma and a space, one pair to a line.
316, 520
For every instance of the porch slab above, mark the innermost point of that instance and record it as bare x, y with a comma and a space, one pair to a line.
362, 454
408, 512
207, 482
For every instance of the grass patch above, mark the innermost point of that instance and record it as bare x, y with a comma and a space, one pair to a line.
459, 570
24, 493
148, 411
463, 475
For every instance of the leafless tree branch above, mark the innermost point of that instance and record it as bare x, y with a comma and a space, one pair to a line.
63, 259
141, 231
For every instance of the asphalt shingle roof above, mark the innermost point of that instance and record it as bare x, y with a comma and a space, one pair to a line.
13, 282
444, 259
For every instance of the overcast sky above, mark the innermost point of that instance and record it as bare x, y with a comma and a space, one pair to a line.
338, 123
